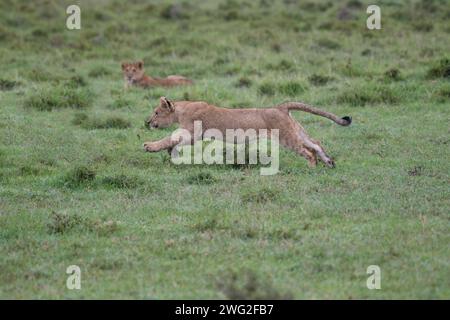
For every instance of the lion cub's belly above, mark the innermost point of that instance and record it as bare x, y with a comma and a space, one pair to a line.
176, 77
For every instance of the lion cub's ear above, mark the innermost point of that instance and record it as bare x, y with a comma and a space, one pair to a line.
124, 65
140, 64
166, 103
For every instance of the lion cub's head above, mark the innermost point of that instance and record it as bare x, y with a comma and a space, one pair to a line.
133, 71
163, 116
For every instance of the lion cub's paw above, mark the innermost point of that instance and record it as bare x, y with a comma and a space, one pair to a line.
330, 163
150, 147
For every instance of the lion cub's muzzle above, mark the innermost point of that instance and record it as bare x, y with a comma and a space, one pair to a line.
150, 124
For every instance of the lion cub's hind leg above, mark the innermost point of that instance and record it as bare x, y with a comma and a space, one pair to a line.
294, 143
316, 147
312, 146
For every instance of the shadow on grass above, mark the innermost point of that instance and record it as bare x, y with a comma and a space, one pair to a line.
248, 285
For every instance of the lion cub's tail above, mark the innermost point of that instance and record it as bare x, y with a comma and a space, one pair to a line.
345, 121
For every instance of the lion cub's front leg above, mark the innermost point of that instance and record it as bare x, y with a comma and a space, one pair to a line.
126, 84
170, 143
164, 144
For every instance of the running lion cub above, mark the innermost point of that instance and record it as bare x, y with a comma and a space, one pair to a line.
134, 75
291, 133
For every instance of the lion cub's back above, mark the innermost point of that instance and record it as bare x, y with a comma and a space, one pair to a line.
251, 118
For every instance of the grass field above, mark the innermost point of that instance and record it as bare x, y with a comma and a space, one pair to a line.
76, 187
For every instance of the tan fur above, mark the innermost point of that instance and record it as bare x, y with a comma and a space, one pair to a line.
134, 75
291, 133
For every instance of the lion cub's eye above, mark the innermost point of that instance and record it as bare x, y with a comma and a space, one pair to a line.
156, 112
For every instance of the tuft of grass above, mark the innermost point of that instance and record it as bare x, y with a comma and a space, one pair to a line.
440, 69
442, 94
119, 103
368, 95
174, 12
29, 170
6, 34
423, 26
208, 224
103, 228
328, 44
80, 118
416, 171
39, 33
267, 88
40, 74
291, 88
85, 176
99, 71
285, 65
284, 233
79, 176
201, 178
59, 97
230, 15
244, 82
259, 196
354, 4
282, 65
121, 182
76, 82
366, 52
110, 122
392, 74
62, 222
113, 122
276, 47
319, 80
351, 70
8, 84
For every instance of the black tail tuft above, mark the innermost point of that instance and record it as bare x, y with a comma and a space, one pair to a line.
348, 120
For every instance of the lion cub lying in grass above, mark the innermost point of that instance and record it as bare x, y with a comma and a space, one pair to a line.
134, 75
291, 133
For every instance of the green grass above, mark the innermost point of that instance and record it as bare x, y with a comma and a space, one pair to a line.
47, 99
77, 188
86, 122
